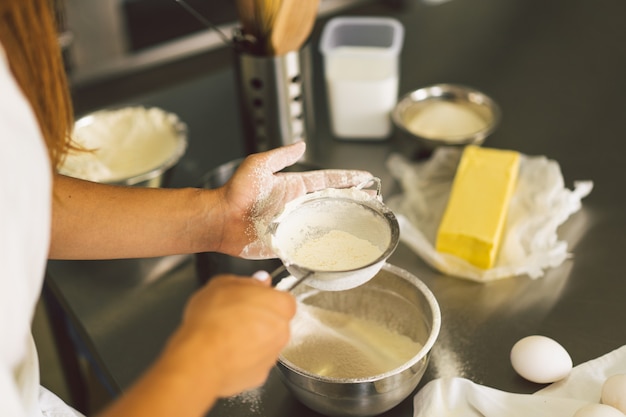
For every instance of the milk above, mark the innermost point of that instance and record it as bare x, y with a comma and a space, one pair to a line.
361, 72
362, 89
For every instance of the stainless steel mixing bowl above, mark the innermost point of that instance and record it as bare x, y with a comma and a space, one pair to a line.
471, 101
154, 175
404, 304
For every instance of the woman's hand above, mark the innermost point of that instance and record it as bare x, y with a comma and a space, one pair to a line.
258, 192
231, 334
236, 328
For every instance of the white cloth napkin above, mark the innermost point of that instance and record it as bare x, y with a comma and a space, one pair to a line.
540, 204
461, 397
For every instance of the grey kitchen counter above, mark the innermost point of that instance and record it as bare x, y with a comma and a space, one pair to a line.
558, 71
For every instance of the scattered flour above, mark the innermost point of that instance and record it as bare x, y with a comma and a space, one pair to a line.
251, 399
336, 250
340, 345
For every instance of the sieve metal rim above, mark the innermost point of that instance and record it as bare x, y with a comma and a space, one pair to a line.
374, 205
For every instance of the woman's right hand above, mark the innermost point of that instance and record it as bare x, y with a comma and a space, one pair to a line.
232, 332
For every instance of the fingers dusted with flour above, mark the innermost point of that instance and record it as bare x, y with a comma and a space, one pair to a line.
258, 192
310, 181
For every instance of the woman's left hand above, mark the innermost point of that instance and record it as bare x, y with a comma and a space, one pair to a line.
257, 192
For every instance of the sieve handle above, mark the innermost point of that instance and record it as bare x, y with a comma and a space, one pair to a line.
299, 281
278, 271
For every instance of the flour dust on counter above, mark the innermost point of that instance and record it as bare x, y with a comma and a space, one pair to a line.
251, 398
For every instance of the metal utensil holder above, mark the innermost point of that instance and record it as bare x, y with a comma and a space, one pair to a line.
276, 99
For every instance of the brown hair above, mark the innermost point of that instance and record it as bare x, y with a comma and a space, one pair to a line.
28, 34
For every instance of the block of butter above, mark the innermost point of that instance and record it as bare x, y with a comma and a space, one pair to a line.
473, 222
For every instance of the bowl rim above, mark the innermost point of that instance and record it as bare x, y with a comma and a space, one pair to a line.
448, 92
421, 354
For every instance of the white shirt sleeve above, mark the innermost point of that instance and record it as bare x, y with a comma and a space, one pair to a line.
25, 221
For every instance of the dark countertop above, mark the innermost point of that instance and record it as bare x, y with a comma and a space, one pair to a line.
557, 69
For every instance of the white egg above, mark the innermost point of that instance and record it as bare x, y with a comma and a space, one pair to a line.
540, 359
614, 392
598, 410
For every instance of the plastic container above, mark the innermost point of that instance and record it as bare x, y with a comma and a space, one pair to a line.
361, 68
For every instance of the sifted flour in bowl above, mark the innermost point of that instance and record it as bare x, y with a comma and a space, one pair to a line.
340, 345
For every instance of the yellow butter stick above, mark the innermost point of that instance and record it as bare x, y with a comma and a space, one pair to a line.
473, 222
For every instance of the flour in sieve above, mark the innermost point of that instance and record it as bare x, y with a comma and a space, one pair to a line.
339, 345
336, 250
269, 197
